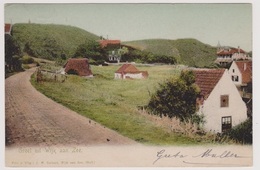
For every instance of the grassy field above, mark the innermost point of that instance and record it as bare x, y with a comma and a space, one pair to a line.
114, 103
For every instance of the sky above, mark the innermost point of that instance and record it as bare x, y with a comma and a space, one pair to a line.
229, 24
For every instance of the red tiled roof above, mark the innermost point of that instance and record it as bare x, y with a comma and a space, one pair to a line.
127, 68
105, 43
80, 65
245, 67
230, 51
8, 28
207, 79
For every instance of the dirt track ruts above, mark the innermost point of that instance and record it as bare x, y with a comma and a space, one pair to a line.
32, 119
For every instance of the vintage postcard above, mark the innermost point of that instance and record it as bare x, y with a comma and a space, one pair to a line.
128, 85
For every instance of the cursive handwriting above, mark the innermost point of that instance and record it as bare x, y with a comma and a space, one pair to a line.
161, 154
225, 154
209, 153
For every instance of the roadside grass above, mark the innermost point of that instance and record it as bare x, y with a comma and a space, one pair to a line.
113, 103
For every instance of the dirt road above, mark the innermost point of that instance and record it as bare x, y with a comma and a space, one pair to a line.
35, 120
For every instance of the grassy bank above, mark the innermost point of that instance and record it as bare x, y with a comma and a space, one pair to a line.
114, 103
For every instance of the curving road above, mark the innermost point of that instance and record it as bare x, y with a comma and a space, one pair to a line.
32, 119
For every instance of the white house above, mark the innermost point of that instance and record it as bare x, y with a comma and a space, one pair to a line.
113, 47
129, 71
219, 101
226, 55
241, 72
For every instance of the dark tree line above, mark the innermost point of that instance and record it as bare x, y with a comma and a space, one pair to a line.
12, 55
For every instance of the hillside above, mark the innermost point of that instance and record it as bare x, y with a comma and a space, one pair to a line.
187, 51
49, 41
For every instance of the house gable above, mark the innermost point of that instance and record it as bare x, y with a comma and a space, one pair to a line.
214, 110
235, 74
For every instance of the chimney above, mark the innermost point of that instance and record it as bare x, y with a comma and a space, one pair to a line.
238, 48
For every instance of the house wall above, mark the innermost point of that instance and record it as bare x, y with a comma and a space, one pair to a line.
129, 75
212, 110
237, 56
134, 76
235, 73
118, 76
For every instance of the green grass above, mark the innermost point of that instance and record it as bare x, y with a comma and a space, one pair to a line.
113, 103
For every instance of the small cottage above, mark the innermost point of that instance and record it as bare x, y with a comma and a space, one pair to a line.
78, 66
219, 101
129, 71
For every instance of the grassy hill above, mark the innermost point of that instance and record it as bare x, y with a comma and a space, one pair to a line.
49, 41
187, 51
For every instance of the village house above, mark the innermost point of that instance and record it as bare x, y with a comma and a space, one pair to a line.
241, 72
225, 55
113, 47
241, 75
219, 101
129, 71
78, 66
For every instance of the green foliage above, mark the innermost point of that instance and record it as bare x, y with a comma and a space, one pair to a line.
250, 53
91, 50
198, 119
147, 57
50, 41
12, 55
26, 66
242, 133
27, 59
190, 52
176, 97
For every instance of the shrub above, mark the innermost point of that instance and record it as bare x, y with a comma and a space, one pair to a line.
25, 66
176, 97
27, 60
242, 133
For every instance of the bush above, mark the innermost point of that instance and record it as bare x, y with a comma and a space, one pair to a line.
25, 66
176, 97
27, 60
242, 133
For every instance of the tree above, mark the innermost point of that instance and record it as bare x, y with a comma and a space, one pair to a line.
176, 97
12, 54
91, 50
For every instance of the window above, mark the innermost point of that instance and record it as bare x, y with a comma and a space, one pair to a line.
233, 70
235, 78
224, 100
226, 123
